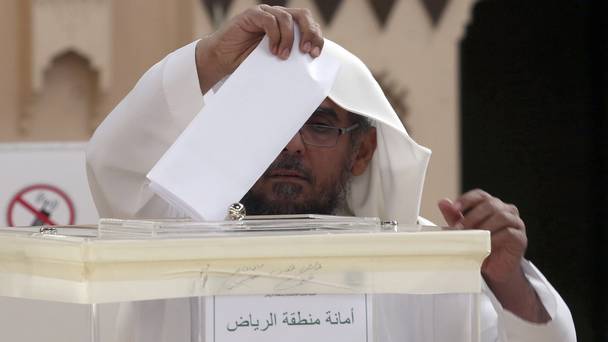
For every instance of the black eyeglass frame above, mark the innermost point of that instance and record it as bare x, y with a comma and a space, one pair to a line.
341, 131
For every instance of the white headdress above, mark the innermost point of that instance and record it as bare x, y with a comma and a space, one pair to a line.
391, 188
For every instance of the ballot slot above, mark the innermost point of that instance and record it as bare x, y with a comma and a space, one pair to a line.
251, 224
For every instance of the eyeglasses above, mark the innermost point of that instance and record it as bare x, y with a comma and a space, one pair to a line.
322, 135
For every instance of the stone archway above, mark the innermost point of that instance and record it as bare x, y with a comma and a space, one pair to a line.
66, 103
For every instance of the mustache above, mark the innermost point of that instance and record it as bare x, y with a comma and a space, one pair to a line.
292, 163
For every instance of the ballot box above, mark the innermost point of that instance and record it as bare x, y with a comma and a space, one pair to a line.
267, 278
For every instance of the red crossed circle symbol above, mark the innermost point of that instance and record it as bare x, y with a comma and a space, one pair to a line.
19, 199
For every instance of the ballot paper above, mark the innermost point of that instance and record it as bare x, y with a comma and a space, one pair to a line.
241, 129
295, 318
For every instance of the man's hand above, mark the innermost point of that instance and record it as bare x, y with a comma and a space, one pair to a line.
220, 53
502, 268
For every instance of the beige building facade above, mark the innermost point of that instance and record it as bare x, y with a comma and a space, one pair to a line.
67, 63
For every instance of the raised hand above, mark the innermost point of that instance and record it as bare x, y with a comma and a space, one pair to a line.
221, 52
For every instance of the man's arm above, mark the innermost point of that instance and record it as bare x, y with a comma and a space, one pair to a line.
506, 272
501, 269
136, 134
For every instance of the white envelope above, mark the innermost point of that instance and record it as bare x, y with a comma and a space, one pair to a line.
241, 129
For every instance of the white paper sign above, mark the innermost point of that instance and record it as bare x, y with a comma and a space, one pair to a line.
44, 184
240, 130
294, 318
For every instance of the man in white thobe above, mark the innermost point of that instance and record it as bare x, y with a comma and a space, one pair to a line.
353, 156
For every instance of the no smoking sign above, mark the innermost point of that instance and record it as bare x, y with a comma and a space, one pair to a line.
38, 205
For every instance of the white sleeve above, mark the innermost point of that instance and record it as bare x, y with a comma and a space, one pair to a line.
514, 329
498, 324
136, 134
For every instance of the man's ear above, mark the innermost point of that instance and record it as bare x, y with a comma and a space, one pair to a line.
365, 151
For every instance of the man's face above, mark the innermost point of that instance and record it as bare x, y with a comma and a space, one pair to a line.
306, 179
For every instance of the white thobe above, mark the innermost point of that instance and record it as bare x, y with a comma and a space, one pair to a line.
141, 128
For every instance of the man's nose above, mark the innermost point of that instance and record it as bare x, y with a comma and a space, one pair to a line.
296, 144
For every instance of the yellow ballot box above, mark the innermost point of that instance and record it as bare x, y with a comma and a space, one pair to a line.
297, 278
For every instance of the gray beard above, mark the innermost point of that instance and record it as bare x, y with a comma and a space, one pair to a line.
327, 202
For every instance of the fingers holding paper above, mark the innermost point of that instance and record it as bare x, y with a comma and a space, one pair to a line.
312, 37
281, 26
281, 34
220, 53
